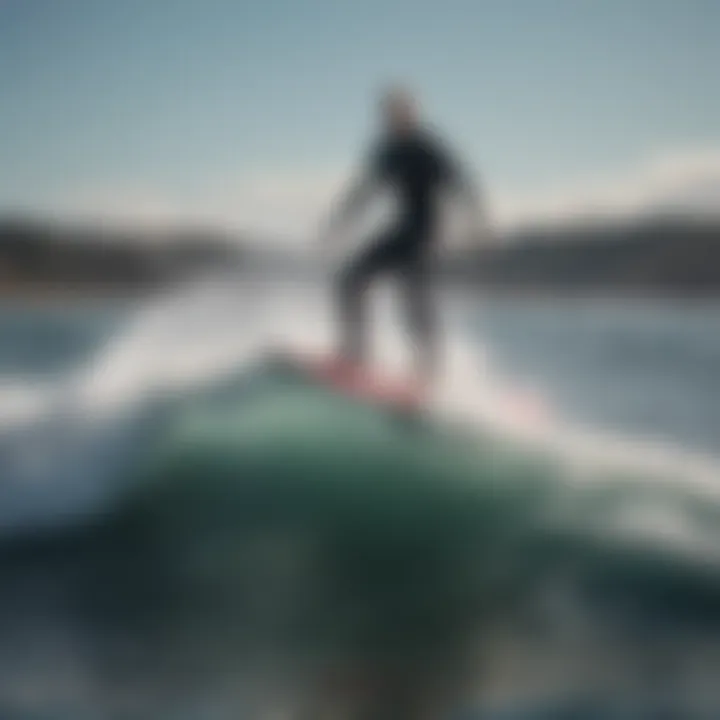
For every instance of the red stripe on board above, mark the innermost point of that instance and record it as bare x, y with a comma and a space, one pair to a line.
363, 382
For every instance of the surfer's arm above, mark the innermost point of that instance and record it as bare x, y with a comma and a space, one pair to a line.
474, 194
468, 189
457, 177
357, 195
354, 199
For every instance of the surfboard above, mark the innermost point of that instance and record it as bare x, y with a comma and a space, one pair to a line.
369, 383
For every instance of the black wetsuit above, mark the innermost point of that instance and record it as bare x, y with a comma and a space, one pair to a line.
417, 168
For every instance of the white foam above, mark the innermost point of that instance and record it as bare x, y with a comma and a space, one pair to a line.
221, 324
215, 325
474, 391
484, 396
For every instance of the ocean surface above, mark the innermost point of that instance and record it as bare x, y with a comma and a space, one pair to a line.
145, 446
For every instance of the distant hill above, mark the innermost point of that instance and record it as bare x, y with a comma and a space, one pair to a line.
659, 256
665, 256
40, 255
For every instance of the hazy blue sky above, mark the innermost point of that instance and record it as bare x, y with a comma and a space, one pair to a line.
186, 103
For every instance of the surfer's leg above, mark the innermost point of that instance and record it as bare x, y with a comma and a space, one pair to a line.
421, 323
352, 287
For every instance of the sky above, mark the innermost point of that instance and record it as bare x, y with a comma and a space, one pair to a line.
252, 114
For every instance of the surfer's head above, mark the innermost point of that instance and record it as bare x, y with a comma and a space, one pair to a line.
399, 109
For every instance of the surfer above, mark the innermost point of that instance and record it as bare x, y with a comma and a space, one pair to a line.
414, 163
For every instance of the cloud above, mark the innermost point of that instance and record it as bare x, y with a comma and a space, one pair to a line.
289, 203
672, 181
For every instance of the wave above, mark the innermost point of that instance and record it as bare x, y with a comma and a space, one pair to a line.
228, 515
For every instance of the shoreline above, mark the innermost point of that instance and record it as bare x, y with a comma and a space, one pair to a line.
43, 293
